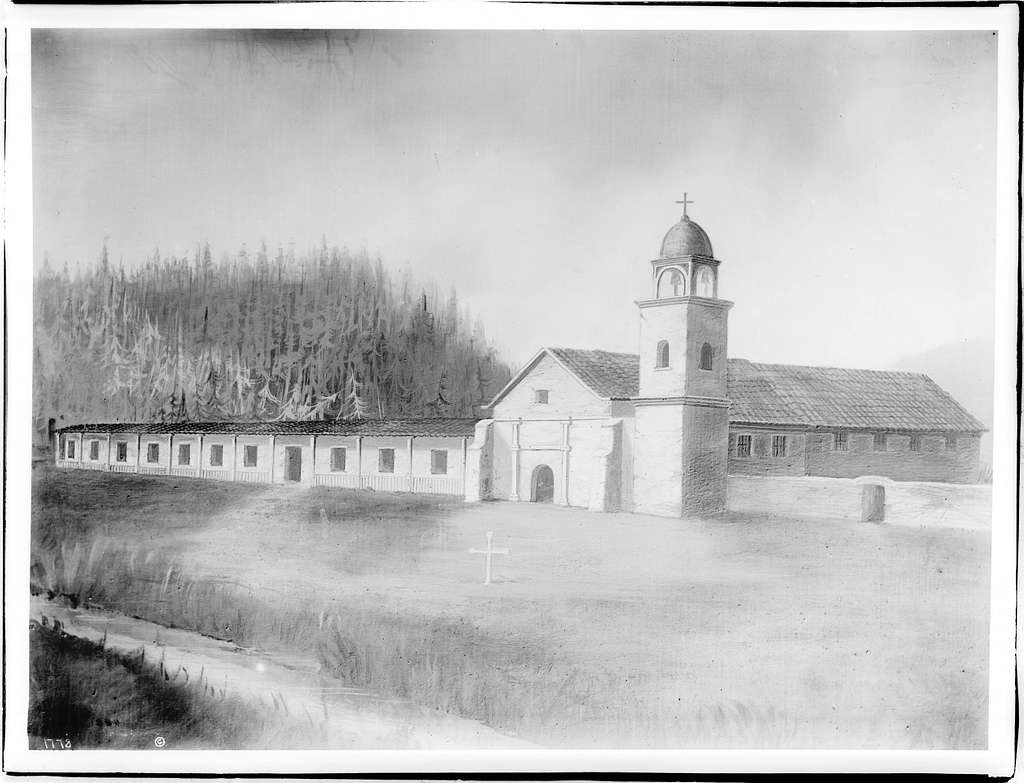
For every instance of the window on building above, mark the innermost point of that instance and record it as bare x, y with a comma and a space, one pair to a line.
439, 462
152, 452
122, 451
250, 456
951, 441
706, 357
705, 282
915, 442
671, 283
338, 459
70, 449
216, 455
743, 445
778, 445
94, 449
385, 460
184, 454
842, 441
879, 442
661, 360
540, 396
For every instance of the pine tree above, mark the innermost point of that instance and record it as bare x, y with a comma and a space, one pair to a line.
354, 399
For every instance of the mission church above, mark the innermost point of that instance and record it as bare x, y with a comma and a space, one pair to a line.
659, 432
656, 432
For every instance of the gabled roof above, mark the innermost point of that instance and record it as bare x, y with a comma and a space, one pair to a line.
840, 397
388, 427
786, 394
615, 376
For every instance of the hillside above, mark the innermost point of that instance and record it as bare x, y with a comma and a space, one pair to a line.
327, 335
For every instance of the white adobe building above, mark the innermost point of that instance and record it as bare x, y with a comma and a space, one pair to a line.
398, 455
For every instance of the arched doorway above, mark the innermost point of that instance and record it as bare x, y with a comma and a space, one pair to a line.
543, 485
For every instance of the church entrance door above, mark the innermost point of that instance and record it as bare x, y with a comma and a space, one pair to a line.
543, 484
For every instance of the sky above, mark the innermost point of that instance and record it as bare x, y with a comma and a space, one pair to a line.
846, 180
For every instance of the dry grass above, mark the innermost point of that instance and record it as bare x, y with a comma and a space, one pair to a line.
85, 696
599, 631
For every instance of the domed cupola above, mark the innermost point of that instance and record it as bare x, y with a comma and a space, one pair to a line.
686, 265
686, 238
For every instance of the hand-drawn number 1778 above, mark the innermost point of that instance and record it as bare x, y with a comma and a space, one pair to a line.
56, 744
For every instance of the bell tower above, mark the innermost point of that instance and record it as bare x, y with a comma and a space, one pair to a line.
682, 413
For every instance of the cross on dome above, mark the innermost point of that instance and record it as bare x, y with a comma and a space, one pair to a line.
685, 238
684, 202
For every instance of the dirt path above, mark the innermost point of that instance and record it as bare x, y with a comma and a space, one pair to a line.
344, 717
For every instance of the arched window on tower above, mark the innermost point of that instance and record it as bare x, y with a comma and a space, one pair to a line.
705, 357
661, 359
705, 282
671, 283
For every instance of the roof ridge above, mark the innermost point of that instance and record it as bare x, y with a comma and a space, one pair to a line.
590, 350
833, 367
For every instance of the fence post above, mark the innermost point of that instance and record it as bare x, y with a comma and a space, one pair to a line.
872, 503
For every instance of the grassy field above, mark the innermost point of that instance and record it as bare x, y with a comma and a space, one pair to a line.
85, 696
598, 631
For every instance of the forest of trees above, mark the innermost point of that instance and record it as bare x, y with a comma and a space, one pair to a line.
252, 336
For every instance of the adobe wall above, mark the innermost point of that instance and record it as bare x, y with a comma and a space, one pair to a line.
479, 455
658, 460
761, 462
813, 454
541, 442
627, 447
501, 460
710, 325
934, 462
586, 439
705, 459
606, 473
686, 325
567, 396
914, 503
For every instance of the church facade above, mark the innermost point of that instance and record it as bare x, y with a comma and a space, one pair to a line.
660, 431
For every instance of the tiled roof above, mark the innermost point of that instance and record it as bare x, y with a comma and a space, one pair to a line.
840, 397
612, 375
388, 427
775, 394
799, 396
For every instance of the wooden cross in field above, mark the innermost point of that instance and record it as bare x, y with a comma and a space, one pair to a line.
490, 551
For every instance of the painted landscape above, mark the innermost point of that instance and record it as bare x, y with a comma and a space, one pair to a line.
249, 240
